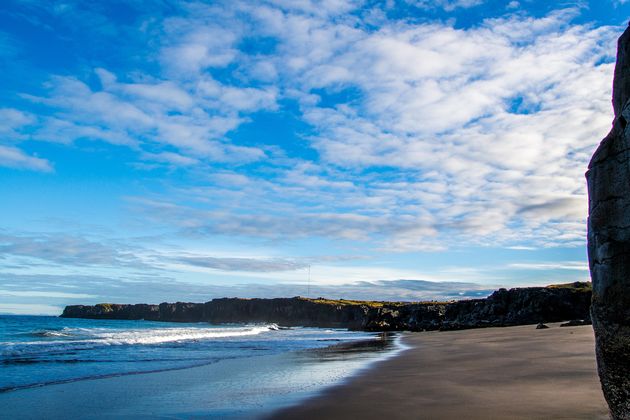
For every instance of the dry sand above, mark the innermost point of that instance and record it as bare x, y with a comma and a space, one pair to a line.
494, 373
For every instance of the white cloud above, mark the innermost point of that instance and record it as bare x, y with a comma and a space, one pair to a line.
487, 131
171, 158
426, 135
13, 125
149, 115
322, 8
193, 51
241, 264
12, 121
13, 157
66, 250
513, 5
502, 116
447, 5
27, 250
285, 221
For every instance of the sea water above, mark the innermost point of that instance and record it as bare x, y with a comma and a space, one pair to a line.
43, 351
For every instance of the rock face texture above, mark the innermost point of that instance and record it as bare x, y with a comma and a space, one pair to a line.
530, 305
609, 243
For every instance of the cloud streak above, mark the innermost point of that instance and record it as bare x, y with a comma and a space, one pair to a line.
13, 157
66, 250
242, 264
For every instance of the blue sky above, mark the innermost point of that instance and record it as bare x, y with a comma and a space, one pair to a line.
412, 149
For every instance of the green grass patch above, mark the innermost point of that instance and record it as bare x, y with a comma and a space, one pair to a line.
369, 303
577, 286
348, 302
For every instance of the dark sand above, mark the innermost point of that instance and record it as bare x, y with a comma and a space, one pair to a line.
495, 373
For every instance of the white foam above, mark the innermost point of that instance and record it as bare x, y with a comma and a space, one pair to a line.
106, 336
50, 334
166, 335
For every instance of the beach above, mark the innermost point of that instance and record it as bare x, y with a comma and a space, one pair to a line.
494, 373
510, 372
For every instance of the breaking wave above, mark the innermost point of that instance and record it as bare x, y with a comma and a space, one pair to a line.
167, 335
143, 336
54, 343
48, 334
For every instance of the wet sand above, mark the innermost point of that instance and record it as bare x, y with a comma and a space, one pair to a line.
494, 373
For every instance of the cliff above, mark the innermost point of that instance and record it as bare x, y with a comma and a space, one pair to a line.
608, 180
503, 308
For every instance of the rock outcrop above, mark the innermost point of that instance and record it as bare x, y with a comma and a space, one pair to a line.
608, 179
503, 308
284, 311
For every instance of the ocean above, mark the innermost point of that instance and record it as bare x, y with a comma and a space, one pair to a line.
247, 369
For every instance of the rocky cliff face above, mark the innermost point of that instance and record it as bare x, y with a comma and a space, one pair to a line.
502, 308
609, 243
284, 311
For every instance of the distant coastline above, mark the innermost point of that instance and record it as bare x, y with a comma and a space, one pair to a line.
518, 306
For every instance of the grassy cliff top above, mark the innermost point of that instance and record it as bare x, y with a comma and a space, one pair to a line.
347, 302
577, 286
369, 303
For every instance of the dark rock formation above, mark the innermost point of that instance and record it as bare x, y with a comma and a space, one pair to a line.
529, 305
285, 311
503, 308
542, 326
609, 243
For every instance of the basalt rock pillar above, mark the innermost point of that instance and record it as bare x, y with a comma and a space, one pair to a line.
608, 179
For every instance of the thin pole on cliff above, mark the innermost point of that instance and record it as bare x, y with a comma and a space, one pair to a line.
308, 292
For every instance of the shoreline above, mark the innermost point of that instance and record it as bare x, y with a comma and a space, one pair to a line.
507, 372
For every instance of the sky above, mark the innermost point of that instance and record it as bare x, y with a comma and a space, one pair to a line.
397, 150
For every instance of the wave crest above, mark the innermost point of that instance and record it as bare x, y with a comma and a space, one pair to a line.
104, 336
167, 335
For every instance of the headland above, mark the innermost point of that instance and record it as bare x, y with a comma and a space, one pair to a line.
518, 306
